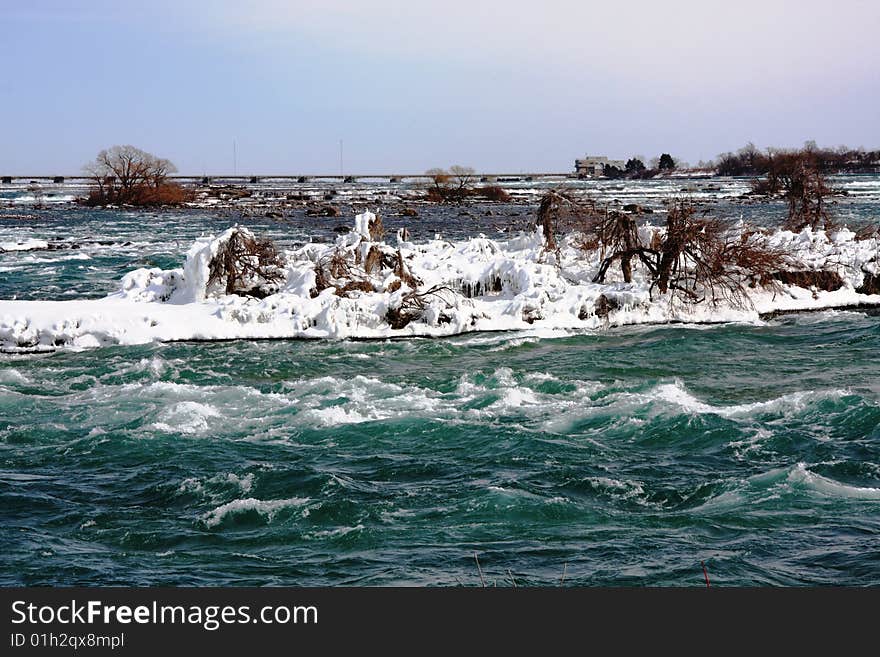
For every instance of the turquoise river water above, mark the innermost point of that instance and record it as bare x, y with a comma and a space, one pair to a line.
622, 457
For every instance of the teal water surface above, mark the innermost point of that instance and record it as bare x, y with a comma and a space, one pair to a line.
625, 458
621, 457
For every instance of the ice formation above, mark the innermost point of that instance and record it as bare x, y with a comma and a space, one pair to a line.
441, 288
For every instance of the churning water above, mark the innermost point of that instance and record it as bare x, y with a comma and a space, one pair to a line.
625, 457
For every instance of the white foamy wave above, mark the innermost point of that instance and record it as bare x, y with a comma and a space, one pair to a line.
198, 486
624, 490
799, 475
676, 396
29, 244
329, 401
778, 483
266, 508
187, 417
333, 533
11, 375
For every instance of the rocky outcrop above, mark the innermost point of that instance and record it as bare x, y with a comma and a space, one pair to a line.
870, 284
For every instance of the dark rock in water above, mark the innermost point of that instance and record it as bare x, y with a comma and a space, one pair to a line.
341, 229
324, 211
274, 214
604, 307
635, 208
821, 280
870, 285
409, 212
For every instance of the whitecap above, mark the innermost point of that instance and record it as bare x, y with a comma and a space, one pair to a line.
186, 417
267, 508
675, 395
801, 476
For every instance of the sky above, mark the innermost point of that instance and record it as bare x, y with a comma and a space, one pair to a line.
273, 86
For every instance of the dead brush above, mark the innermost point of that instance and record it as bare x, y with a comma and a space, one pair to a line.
869, 231
557, 207
403, 272
413, 305
617, 236
247, 266
700, 259
330, 270
373, 261
376, 229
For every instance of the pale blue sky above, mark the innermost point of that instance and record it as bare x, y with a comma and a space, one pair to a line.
499, 85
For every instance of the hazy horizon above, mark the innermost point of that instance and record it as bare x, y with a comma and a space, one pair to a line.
500, 86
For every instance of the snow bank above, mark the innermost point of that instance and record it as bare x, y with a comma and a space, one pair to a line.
478, 285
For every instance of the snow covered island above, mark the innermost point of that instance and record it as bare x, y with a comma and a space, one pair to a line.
364, 286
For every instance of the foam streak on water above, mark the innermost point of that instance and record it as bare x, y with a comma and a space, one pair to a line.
631, 456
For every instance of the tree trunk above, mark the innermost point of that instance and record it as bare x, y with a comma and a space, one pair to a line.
626, 267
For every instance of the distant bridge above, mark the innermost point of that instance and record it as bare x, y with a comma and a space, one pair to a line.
206, 179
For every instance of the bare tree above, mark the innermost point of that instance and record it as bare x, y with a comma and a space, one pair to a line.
798, 177
126, 174
695, 258
453, 184
464, 176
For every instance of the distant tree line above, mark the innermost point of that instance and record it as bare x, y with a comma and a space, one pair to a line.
752, 161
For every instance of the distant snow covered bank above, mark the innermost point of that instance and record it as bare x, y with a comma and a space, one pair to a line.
363, 286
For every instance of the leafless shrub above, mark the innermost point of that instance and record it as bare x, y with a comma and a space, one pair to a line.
557, 208
807, 192
403, 272
354, 286
451, 186
868, 232
695, 258
247, 266
492, 193
701, 259
413, 305
373, 261
377, 229
329, 269
798, 176
617, 237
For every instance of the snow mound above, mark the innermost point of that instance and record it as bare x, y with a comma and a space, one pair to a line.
360, 288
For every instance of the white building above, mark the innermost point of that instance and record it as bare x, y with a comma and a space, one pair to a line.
594, 165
